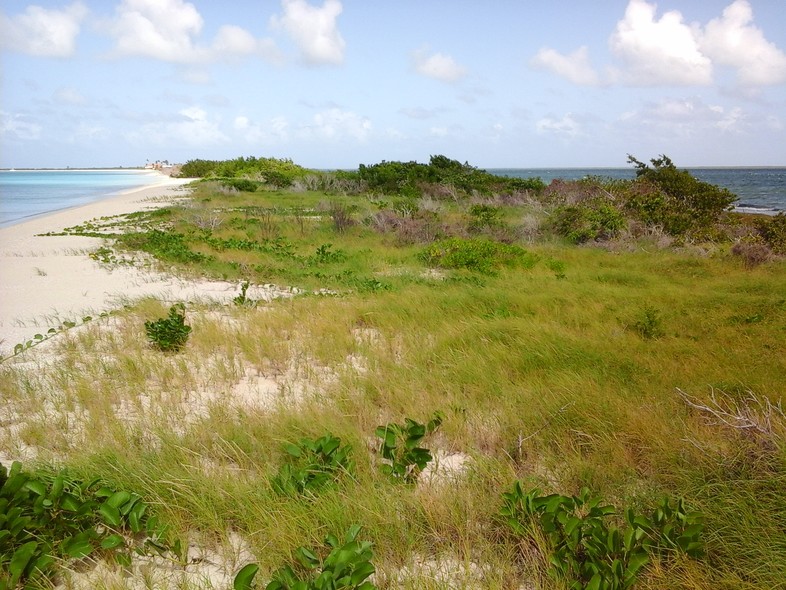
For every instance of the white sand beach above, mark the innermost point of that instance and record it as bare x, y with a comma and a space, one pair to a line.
45, 280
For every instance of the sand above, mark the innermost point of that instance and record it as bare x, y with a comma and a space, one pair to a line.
45, 280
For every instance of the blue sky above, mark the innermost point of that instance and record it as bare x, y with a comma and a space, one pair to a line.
337, 83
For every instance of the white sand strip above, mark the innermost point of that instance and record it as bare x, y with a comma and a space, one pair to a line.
45, 280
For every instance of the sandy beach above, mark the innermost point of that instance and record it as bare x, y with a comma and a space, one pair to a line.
45, 280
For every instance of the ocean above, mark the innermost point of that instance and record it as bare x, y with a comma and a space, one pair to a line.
24, 194
28, 193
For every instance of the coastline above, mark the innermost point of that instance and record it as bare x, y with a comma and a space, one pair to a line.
45, 280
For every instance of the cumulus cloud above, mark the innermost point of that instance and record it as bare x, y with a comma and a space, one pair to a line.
168, 30
652, 50
336, 123
439, 66
17, 126
192, 127
574, 66
688, 117
314, 30
661, 51
567, 127
43, 32
69, 96
732, 40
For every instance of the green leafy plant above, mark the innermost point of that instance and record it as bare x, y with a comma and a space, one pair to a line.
476, 254
169, 334
587, 550
399, 447
313, 465
47, 517
242, 299
649, 324
592, 219
345, 566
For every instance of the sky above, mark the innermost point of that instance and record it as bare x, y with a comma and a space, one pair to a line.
338, 83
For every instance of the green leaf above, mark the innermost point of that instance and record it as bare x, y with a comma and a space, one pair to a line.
293, 450
245, 577
36, 487
20, 559
110, 513
112, 542
117, 499
78, 547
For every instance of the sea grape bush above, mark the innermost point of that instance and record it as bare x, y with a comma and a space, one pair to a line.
590, 220
399, 447
313, 465
587, 550
676, 200
338, 565
46, 518
169, 334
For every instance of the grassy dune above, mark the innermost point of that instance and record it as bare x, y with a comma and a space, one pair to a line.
563, 372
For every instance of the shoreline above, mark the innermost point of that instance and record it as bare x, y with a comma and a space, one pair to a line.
45, 280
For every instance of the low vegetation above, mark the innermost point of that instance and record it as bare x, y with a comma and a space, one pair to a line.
594, 339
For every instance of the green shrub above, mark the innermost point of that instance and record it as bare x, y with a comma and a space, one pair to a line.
164, 245
169, 334
590, 220
336, 566
674, 199
588, 551
648, 325
773, 231
400, 448
313, 465
484, 217
51, 517
241, 184
476, 254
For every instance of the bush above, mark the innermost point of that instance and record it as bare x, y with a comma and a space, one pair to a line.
590, 220
773, 232
672, 198
476, 254
169, 334
752, 253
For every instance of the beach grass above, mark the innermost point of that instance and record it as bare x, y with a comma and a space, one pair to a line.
573, 370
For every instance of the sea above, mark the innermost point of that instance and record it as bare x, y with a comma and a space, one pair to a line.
29, 193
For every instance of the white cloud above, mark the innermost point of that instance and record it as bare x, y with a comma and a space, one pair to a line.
16, 126
658, 52
168, 30
688, 117
573, 66
87, 132
566, 127
314, 30
69, 96
275, 130
43, 32
336, 123
192, 127
438, 66
732, 40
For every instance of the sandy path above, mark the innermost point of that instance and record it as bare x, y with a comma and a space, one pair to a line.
45, 280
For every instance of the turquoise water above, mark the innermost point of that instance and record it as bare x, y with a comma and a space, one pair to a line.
756, 188
24, 193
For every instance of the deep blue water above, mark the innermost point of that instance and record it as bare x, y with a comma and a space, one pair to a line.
25, 193
757, 188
